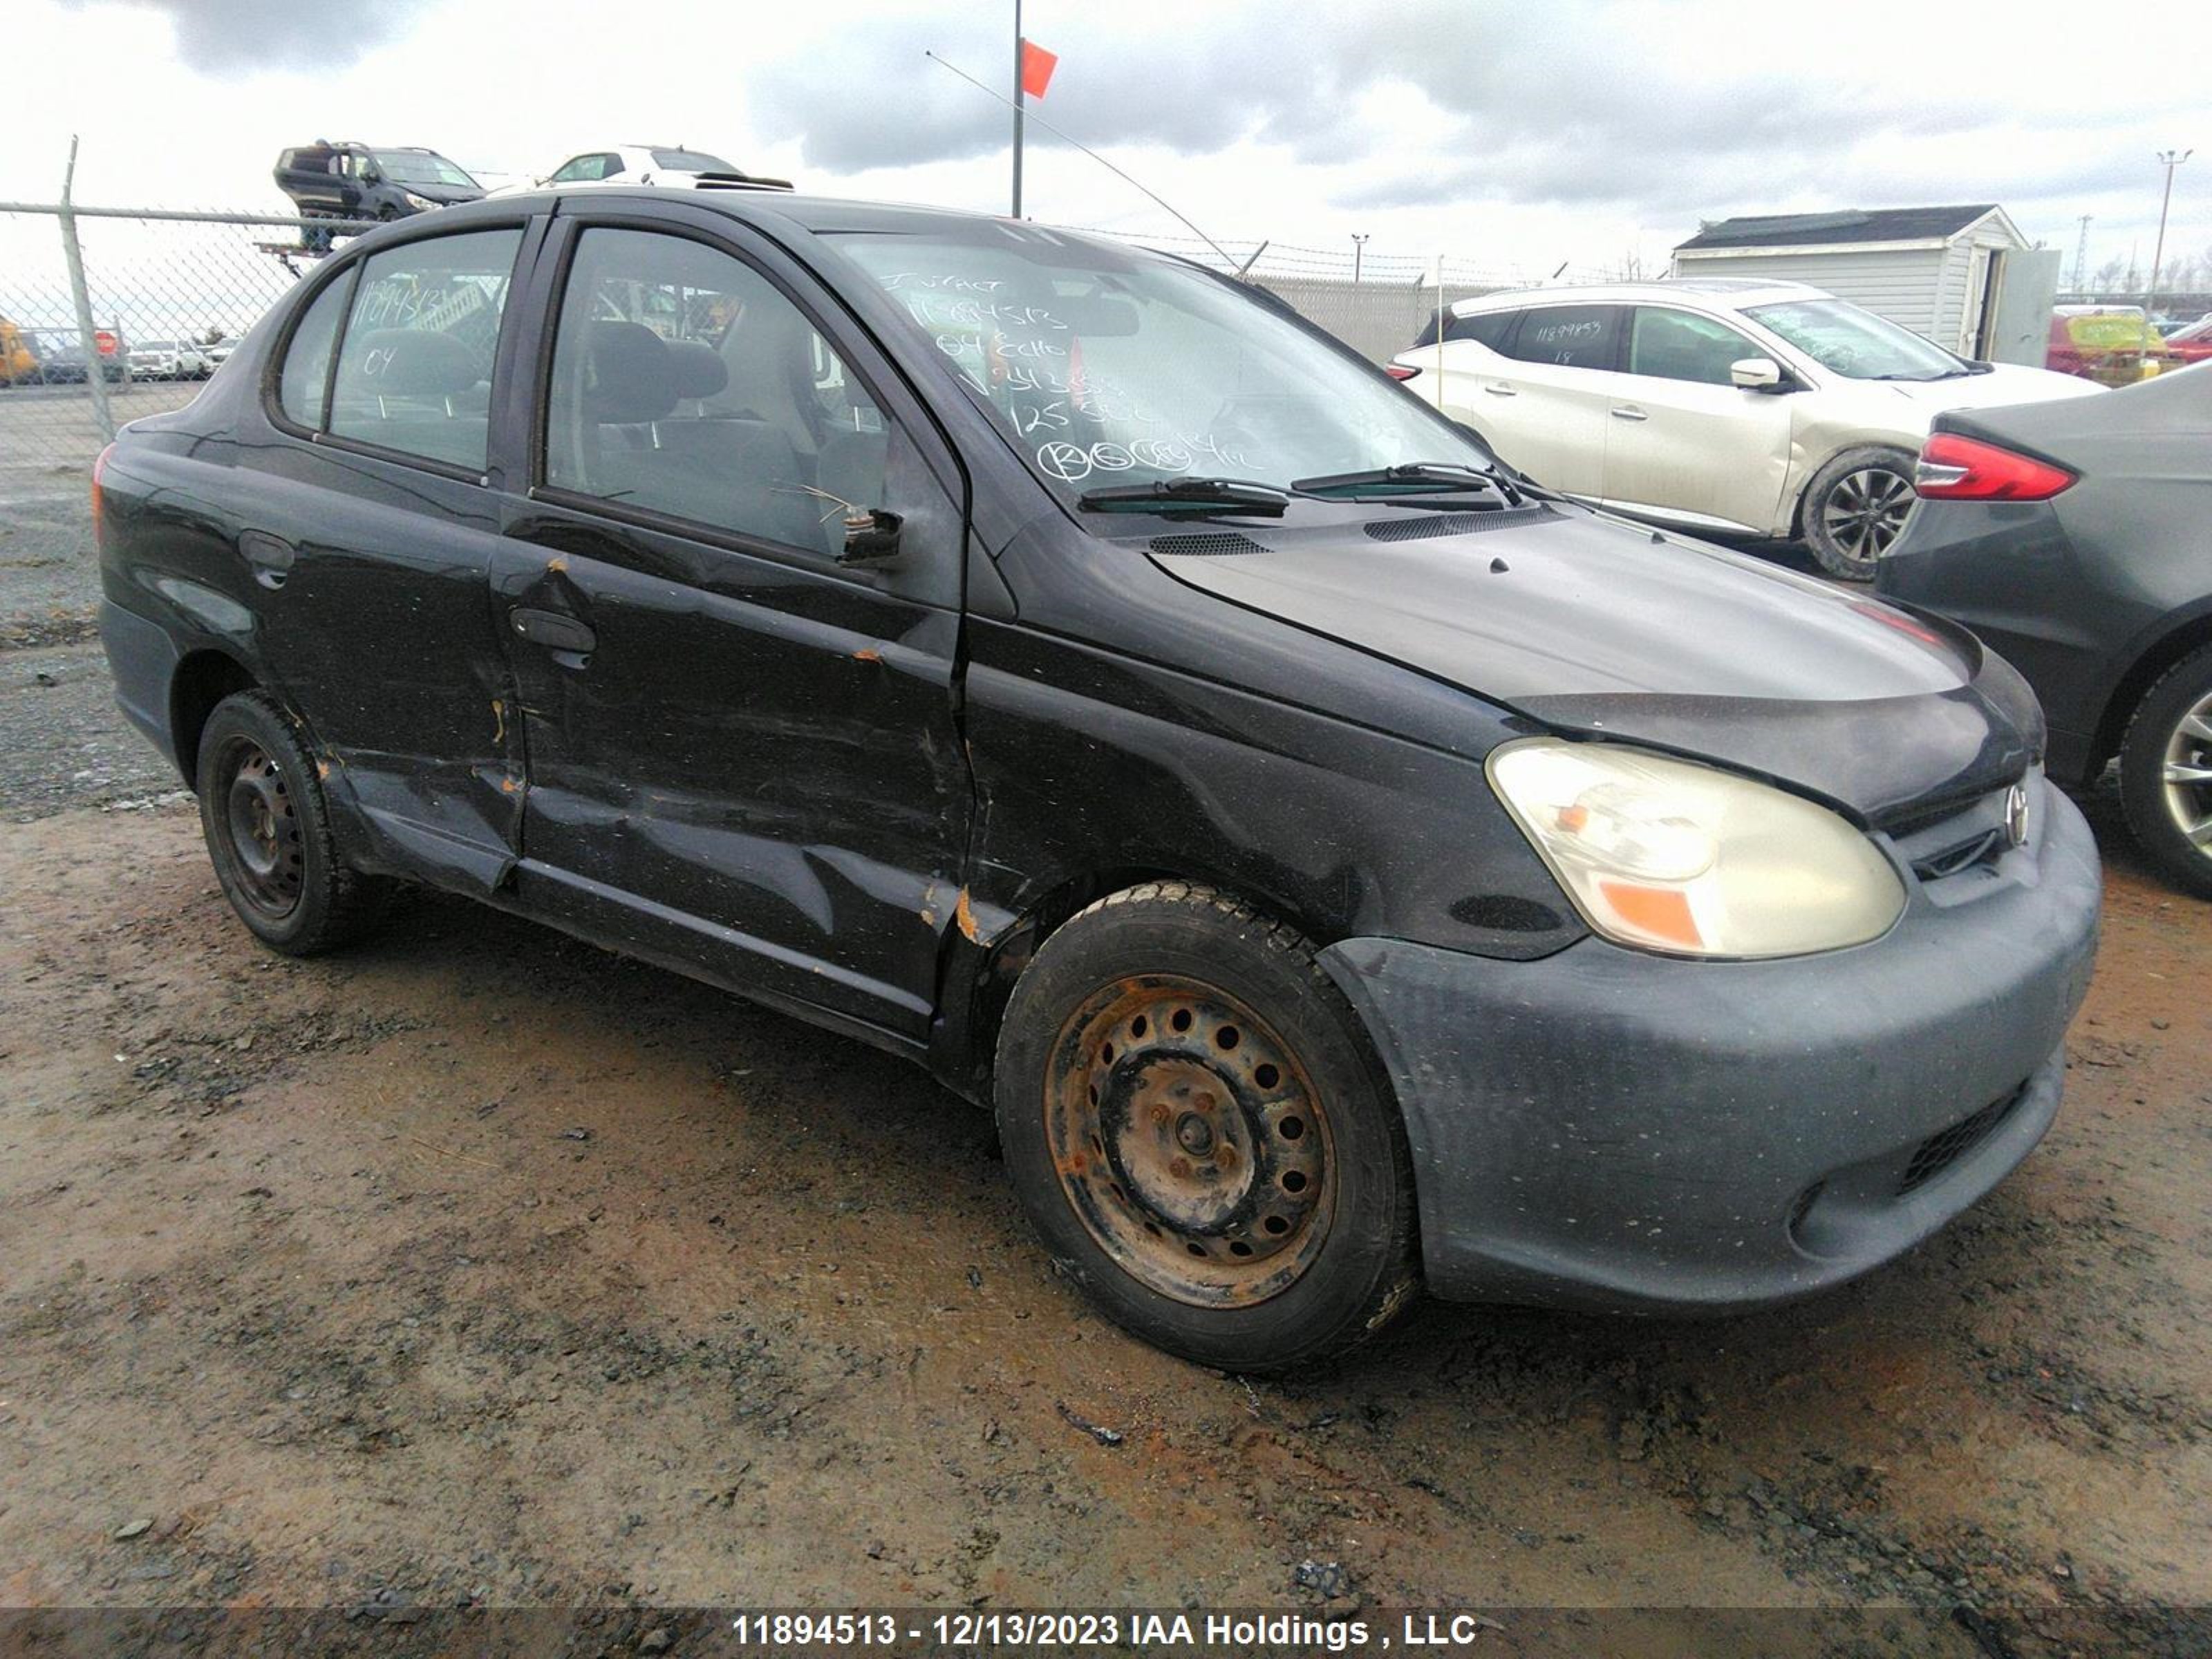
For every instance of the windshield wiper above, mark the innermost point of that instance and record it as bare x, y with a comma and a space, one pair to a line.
1422, 479
1188, 496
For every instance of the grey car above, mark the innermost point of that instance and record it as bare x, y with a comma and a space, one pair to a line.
2077, 538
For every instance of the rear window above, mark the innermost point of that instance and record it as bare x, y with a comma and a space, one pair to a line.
1483, 327
1572, 336
306, 376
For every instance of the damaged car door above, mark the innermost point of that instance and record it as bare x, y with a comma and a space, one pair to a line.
367, 529
731, 601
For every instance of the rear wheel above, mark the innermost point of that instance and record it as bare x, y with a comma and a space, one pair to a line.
1195, 1123
2165, 772
1855, 510
268, 832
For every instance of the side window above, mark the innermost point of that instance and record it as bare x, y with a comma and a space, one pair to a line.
306, 375
414, 371
609, 166
685, 383
1572, 336
1681, 345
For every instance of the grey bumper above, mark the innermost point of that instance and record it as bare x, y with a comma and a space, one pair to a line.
1609, 1129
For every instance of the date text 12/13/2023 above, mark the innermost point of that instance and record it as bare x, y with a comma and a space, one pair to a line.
1075, 1630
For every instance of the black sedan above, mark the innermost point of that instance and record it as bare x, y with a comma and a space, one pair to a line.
1341, 864
2077, 538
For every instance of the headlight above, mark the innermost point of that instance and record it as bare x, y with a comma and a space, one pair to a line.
421, 202
1672, 856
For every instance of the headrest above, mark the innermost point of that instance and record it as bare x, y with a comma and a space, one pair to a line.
763, 347
699, 372
632, 378
413, 363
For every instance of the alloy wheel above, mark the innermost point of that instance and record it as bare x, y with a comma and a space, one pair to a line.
1865, 511
2188, 775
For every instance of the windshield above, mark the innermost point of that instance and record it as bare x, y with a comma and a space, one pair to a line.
1856, 343
422, 167
690, 160
1113, 366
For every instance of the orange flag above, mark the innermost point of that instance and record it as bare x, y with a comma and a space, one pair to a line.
1037, 65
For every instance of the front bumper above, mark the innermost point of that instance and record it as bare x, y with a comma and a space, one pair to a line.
1608, 1129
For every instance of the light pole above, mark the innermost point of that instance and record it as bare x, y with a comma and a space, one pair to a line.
1358, 248
2168, 159
1018, 109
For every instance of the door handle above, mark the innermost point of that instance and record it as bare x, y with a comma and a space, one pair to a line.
1499, 389
552, 628
270, 557
1628, 412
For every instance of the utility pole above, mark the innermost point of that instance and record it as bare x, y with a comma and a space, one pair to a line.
1359, 247
2168, 159
1017, 108
2082, 256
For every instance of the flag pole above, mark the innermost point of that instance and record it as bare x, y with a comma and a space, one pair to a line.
1017, 108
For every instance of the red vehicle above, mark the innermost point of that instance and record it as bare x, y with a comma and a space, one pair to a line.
2193, 344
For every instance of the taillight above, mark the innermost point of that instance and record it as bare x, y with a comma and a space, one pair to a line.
1399, 371
99, 502
1956, 469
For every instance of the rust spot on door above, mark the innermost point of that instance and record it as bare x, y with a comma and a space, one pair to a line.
964, 917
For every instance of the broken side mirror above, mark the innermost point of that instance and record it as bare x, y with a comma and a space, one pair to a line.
872, 537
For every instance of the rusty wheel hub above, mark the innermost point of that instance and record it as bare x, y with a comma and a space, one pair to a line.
1189, 1140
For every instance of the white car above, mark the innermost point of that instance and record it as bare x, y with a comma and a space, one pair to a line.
671, 167
169, 360
1716, 405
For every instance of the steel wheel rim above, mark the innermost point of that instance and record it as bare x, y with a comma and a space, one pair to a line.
261, 828
1189, 1141
1864, 512
2187, 775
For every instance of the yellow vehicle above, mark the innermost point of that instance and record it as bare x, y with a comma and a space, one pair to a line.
17, 360
2112, 345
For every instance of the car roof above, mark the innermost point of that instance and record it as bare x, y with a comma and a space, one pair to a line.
755, 203
1718, 292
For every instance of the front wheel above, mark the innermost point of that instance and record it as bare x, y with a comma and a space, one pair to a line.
1855, 510
1195, 1122
2166, 773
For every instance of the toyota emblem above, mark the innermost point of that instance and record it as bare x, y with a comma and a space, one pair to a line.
2015, 821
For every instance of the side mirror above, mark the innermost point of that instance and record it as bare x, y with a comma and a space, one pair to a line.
1756, 375
872, 537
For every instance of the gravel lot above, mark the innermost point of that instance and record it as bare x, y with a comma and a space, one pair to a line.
478, 1266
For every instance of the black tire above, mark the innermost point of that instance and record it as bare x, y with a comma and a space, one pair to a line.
2170, 734
1232, 1183
1854, 508
268, 833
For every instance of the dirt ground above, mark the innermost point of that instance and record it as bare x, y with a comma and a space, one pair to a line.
479, 1267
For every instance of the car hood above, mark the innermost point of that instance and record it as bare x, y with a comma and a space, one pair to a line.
2004, 383
448, 194
1586, 625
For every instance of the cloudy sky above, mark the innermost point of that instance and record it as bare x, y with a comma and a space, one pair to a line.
1515, 137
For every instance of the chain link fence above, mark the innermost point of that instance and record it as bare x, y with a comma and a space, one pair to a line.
108, 314
1375, 303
